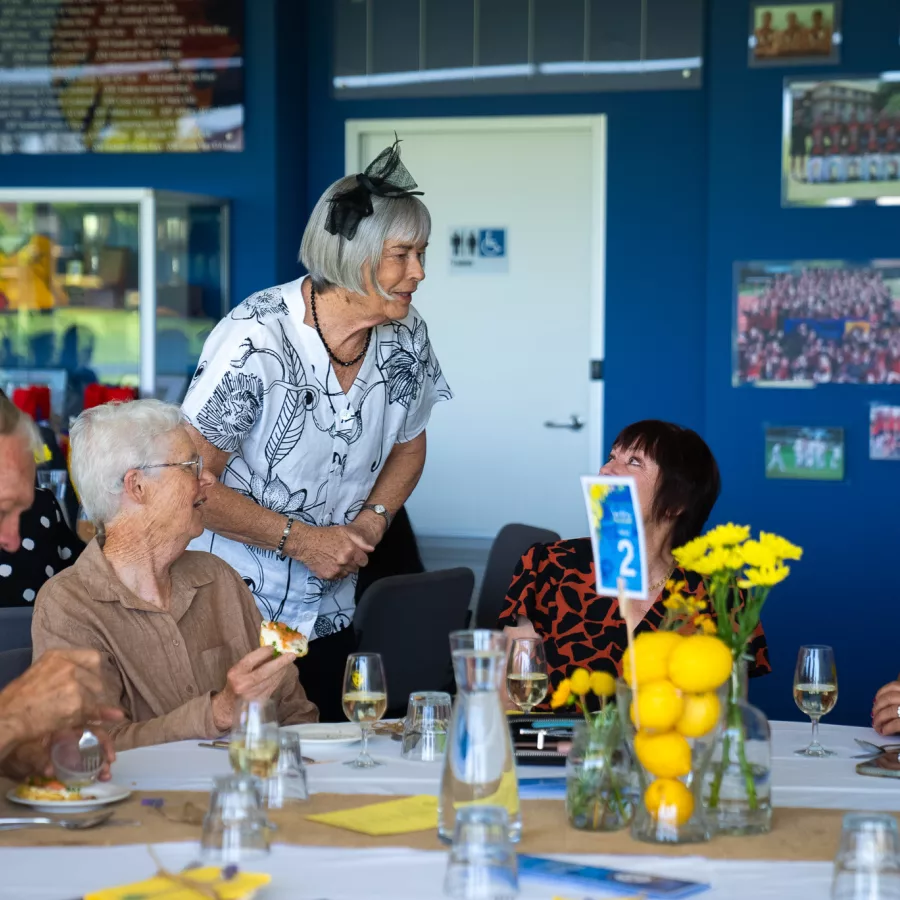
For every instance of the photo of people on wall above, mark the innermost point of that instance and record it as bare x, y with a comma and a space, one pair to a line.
794, 33
841, 141
807, 453
817, 322
884, 432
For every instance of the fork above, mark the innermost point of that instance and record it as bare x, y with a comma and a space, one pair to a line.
9, 824
83, 769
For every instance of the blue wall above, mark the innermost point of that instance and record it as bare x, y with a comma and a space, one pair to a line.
694, 185
844, 592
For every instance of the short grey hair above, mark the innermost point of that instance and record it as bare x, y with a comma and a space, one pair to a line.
109, 440
333, 261
14, 422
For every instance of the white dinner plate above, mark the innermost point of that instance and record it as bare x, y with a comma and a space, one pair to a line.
95, 795
321, 734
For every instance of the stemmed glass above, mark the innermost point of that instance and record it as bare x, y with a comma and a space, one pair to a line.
365, 699
526, 673
815, 691
253, 746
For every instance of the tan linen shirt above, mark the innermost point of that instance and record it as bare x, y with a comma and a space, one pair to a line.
162, 667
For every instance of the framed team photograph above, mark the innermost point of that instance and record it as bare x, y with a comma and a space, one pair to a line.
841, 141
812, 322
806, 453
884, 432
794, 34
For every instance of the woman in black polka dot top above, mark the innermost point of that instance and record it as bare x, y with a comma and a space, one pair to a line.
48, 546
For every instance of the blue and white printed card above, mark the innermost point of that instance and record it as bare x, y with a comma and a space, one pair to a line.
617, 534
608, 880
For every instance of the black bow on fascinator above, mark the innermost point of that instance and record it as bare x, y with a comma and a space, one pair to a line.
385, 176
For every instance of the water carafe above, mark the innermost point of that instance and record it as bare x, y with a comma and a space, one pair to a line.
479, 767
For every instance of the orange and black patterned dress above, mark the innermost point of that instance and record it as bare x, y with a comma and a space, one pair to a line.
554, 586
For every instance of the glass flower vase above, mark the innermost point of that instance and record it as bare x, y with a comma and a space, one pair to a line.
737, 787
669, 808
599, 793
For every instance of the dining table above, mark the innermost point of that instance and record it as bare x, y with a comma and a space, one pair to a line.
322, 862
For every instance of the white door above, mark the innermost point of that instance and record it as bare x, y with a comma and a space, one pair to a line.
516, 327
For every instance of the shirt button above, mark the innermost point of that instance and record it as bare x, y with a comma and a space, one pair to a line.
176, 642
190, 689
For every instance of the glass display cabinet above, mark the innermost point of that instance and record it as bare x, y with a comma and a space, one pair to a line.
108, 285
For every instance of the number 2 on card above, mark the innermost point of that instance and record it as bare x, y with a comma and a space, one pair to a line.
625, 570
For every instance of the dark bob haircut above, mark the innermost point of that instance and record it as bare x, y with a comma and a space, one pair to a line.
689, 481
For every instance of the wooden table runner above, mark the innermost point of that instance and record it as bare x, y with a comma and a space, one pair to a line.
797, 834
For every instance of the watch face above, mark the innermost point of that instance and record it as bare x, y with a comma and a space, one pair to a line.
380, 509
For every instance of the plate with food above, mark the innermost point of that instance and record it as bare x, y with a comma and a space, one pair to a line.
321, 734
282, 638
50, 795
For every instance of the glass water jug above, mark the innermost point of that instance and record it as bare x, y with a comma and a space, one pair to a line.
479, 767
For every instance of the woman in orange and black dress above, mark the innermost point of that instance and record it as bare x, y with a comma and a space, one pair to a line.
553, 590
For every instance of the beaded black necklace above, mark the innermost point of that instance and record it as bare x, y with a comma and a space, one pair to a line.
331, 353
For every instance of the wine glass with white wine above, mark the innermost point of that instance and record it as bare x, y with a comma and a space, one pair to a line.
526, 673
253, 745
365, 699
815, 691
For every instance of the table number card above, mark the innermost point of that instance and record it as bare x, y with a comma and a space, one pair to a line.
617, 535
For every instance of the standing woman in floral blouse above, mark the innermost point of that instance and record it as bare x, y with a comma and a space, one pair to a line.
310, 404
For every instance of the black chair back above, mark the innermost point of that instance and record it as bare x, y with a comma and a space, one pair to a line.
407, 619
15, 627
13, 663
506, 551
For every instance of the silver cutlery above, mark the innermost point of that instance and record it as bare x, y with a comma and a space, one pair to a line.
874, 749
81, 767
10, 824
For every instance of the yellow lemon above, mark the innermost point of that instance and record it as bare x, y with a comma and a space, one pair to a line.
663, 755
652, 650
700, 663
659, 706
669, 801
701, 712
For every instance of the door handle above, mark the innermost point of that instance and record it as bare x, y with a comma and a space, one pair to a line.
574, 424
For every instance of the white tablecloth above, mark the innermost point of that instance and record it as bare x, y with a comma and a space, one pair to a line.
796, 781
64, 873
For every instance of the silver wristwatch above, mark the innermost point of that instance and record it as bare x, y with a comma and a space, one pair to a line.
380, 510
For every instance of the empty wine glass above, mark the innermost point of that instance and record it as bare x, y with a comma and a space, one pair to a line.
365, 699
253, 745
815, 691
526, 673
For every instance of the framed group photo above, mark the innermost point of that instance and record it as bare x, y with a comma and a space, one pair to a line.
794, 34
841, 141
809, 322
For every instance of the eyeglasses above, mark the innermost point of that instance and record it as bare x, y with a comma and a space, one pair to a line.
198, 463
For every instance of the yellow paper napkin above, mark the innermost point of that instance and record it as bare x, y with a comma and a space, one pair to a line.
391, 817
243, 886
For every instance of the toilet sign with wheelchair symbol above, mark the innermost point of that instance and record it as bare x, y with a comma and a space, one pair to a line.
475, 250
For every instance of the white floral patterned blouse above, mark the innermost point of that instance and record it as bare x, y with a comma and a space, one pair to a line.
265, 391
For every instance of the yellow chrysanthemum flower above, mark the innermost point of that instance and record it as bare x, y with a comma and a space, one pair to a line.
603, 684
705, 624
675, 602
780, 546
764, 577
728, 535
561, 694
717, 560
690, 552
676, 587
580, 682
758, 556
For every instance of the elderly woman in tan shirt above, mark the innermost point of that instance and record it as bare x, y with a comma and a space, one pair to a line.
178, 630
